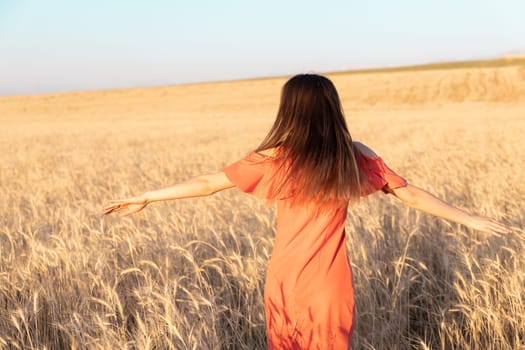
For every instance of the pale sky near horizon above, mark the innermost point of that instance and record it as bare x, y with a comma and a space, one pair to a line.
59, 45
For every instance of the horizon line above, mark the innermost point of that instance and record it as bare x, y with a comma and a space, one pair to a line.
500, 61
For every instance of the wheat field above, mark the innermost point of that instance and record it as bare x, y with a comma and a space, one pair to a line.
189, 274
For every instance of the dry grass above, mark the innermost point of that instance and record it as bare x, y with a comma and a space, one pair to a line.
189, 273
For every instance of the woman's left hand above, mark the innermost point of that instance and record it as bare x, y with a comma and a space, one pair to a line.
486, 224
126, 206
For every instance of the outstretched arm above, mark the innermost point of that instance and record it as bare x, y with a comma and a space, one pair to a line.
420, 199
199, 186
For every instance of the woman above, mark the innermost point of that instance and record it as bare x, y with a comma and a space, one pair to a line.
309, 165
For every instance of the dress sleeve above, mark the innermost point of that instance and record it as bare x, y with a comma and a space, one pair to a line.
380, 176
253, 174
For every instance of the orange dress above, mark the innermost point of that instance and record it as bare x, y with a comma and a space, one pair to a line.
309, 294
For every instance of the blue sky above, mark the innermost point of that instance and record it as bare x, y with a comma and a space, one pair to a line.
65, 45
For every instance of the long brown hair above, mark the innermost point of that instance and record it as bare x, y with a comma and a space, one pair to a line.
313, 142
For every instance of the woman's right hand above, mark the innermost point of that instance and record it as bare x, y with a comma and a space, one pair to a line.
126, 206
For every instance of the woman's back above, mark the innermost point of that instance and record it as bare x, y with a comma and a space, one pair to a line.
308, 297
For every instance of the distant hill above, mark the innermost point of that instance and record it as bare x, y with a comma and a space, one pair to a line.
514, 55
498, 80
507, 60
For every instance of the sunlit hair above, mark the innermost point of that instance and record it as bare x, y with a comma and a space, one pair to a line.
311, 139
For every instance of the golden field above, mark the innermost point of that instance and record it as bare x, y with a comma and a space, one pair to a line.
189, 274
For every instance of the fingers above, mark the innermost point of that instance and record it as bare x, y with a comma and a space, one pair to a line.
109, 210
501, 229
106, 211
123, 208
496, 227
487, 224
115, 207
120, 204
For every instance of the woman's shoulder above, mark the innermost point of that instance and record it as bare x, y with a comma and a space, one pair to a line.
269, 152
365, 150
261, 157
